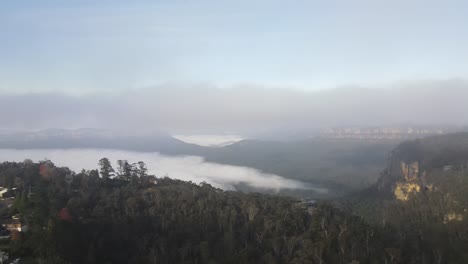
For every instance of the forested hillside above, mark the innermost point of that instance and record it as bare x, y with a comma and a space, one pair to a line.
415, 213
129, 218
423, 195
340, 165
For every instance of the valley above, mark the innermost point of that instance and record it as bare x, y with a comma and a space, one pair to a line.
415, 212
338, 165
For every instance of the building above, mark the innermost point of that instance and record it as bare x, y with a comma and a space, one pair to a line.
12, 225
3, 190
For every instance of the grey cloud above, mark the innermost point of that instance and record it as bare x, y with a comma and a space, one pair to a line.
241, 109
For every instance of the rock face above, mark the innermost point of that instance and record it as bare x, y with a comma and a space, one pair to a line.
452, 216
413, 164
401, 178
426, 182
410, 183
404, 174
403, 190
410, 171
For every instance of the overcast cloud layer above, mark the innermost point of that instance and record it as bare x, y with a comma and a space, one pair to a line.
182, 109
187, 168
89, 45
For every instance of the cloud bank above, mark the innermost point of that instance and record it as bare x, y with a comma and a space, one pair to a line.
187, 168
210, 140
208, 109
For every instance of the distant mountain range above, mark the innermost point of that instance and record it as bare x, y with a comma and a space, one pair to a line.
95, 138
382, 133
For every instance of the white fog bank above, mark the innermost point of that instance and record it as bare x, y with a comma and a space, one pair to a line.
210, 140
187, 168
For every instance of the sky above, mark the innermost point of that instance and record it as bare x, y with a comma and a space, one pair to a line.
86, 47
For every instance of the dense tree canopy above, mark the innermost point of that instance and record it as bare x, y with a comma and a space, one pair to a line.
83, 218
132, 217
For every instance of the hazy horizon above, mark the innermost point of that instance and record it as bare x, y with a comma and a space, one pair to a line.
243, 67
241, 110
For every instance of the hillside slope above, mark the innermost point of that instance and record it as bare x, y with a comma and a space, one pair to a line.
82, 218
423, 193
339, 165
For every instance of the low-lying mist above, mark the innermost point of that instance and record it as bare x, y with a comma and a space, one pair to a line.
187, 168
210, 140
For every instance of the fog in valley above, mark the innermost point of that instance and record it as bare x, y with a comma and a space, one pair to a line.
234, 132
187, 168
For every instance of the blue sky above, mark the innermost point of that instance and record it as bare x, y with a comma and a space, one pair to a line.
93, 46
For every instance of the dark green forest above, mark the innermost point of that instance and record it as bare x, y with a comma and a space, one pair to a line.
130, 218
124, 215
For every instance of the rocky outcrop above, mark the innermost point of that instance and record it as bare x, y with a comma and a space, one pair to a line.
452, 216
403, 190
410, 183
410, 171
412, 165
